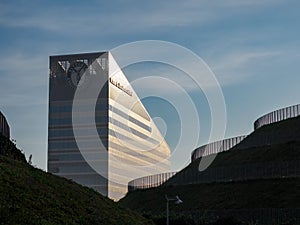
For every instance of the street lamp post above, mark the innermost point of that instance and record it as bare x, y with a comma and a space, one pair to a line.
177, 201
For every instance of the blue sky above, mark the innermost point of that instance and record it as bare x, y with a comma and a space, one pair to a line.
251, 46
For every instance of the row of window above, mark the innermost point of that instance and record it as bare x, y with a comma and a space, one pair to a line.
130, 118
72, 145
75, 156
102, 105
128, 139
84, 132
137, 156
82, 121
93, 155
58, 133
99, 107
132, 130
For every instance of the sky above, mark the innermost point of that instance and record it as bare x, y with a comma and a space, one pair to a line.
252, 47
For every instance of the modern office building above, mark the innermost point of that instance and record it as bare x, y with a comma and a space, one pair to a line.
99, 133
4, 127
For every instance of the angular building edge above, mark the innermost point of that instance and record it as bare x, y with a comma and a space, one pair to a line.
4, 127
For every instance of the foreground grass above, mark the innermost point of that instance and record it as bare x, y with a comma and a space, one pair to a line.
271, 193
31, 196
279, 142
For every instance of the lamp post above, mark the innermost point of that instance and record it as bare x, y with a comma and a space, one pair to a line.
177, 201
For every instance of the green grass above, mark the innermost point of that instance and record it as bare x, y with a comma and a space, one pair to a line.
31, 196
271, 153
272, 193
271, 143
9, 149
277, 133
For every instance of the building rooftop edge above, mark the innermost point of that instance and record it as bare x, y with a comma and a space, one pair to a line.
78, 54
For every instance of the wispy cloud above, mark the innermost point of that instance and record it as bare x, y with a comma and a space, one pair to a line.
239, 66
164, 80
93, 18
22, 76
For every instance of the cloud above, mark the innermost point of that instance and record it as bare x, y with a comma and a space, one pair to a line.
239, 66
94, 18
23, 79
229, 68
24, 69
170, 83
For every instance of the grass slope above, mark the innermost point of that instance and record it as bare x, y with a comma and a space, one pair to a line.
271, 153
277, 133
32, 196
273, 193
9, 149
270, 143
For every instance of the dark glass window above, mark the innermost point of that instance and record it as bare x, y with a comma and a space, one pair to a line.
130, 118
83, 120
71, 145
132, 130
56, 133
130, 140
101, 105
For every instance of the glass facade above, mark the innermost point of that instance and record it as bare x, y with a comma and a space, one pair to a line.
136, 146
132, 145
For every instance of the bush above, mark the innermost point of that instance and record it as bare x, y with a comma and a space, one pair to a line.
9, 149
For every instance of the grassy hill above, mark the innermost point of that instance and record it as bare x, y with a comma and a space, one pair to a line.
32, 196
277, 133
233, 158
9, 149
272, 193
278, 142
272, 143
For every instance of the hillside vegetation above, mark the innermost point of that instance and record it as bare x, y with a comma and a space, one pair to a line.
279, 142
9, 149
268, 193
32, 196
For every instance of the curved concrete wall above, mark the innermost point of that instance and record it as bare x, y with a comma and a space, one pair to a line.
216, 147
149, 181
278, 115
240, 172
